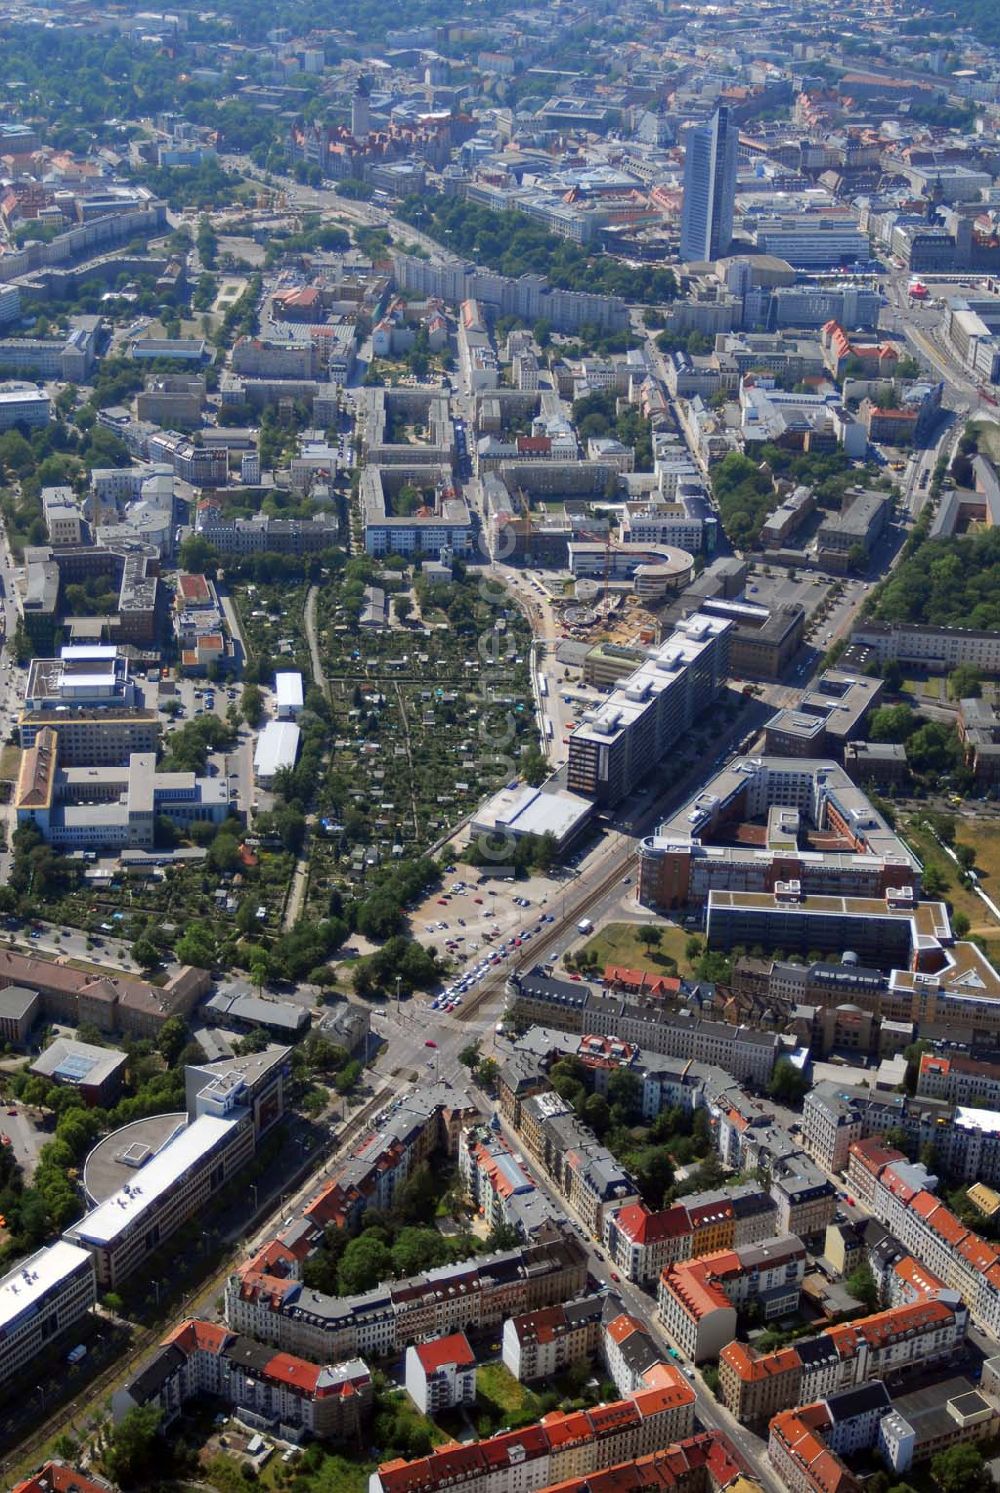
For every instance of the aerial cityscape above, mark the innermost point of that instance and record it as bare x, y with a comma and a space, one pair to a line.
500, 747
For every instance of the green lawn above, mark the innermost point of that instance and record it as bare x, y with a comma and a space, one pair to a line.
497, 1387
620, 943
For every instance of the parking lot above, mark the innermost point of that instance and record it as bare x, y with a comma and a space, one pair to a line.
483, 923
779, 589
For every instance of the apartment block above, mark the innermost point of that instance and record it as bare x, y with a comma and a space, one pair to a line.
267, 1300
271, 1391
697, 1299
540, 1344
441, 1374
621, 740
887, 1345
561, 1445
642, 1243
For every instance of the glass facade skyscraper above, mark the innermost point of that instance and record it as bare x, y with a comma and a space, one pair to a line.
709, 188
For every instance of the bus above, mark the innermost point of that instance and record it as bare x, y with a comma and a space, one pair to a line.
543, 685
548, 730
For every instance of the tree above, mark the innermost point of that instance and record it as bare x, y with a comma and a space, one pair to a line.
965, 683
862, 1285
252, 704
198, 556
934, 883
488, 1072
132, 1452
366, 1261
403, 607
146, 953
893, 723
469, 1055
596, 1113
625, 1096
172, 1039
960, 1469
788, 1084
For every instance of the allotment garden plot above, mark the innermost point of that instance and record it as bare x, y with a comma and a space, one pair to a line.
426, 721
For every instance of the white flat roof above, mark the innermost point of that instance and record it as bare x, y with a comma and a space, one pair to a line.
986, 1120
277, 747
288, 688
113, 1217
88, 653
27, 1284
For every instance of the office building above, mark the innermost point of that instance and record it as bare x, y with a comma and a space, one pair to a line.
831, 713
170, 1188
41, 1298
709, 188
97, 1073
799, 799
619, 742
23, 404
937, 649
109, 808
113, 1002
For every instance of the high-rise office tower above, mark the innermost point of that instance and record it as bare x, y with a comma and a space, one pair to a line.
361, 116
709, 188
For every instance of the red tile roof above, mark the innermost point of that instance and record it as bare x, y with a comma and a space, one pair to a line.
441, 1351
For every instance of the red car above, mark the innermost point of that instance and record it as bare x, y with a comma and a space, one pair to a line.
12, 1111
429, 1043
615, 1275
478, 901
572, 977
442, 902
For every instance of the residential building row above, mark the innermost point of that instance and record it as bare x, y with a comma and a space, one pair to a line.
535, 997
914, 975
965, 1138
267, 1300
642, 1243
900, 1195
698, 1300
274, 1392
886, 1345
561, 1445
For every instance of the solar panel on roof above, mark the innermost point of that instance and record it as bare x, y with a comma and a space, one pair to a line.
74, 1067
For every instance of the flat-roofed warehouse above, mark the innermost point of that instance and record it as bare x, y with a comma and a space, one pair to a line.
277, 748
